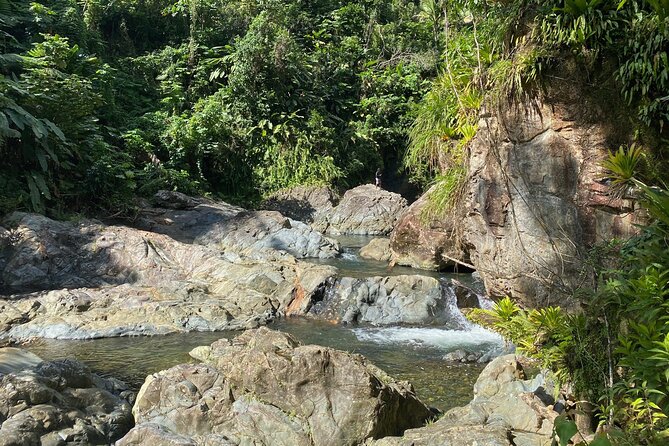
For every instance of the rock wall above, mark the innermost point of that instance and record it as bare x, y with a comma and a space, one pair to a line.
536, 196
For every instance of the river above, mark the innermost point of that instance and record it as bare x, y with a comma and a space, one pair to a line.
407, 353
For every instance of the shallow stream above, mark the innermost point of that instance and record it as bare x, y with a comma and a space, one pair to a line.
408, 353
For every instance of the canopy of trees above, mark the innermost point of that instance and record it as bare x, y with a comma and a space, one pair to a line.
103, 99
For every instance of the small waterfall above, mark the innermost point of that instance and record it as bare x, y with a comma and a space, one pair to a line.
485, 302
321, 306
350, 256
454, 315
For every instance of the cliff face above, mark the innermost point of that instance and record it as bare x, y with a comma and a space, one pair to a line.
536, 198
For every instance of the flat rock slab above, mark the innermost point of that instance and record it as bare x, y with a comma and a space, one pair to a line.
93, 280
251, 234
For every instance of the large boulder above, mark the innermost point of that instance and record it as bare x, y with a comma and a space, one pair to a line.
62, 403
92, 280
303, 203
393, 300
507, 410
426, 241
364, 210
263, 387
253, 234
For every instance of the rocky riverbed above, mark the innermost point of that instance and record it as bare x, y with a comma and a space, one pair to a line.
196, 265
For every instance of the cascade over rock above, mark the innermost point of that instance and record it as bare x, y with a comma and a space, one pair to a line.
536, 197
393, 300
264, 387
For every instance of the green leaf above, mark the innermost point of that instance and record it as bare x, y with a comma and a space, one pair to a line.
565, 429
600, 440
35, 197
41, 184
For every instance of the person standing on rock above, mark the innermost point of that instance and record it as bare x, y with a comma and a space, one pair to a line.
377, 178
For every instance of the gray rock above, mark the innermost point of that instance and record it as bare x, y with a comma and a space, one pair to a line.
303, 203
463, 356
251, 234
122, 281
393, 300
365, 210
263, 387
377, 249
267, 235
14, 360
61, 403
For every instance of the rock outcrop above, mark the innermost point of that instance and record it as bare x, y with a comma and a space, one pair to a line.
263, 387
62, 403
535, 199
396, 300
507, 410
425, 241
414, 300
303, 203
92, 280
250, 234
364, 210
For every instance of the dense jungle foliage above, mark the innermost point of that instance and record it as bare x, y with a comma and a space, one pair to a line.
105, 100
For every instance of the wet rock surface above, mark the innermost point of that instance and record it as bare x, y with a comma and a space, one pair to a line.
394, 300
364, 210
62, 403
97, 281
14, 360
507, 410
263, 387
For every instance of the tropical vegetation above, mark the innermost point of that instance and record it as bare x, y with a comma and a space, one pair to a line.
102, 101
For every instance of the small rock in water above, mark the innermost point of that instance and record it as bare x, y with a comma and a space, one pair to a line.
463, 356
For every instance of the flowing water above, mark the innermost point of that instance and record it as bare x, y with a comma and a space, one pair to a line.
408, 353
